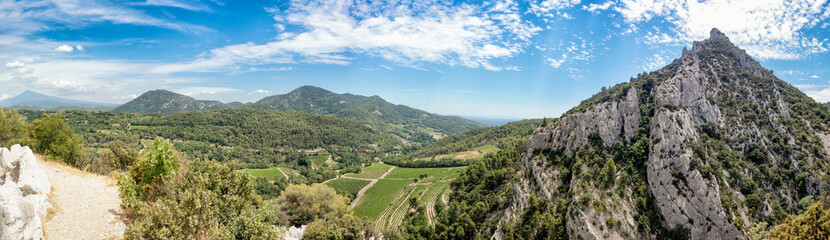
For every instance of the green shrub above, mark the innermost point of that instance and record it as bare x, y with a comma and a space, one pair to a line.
346, 228
51, 135
207, 200
305, 204
148, 174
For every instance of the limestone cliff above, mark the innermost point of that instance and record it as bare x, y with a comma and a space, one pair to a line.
711, 143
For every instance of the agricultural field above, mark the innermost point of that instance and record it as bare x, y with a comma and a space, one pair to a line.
386, 203
477, 153
272, 174
347, 186
371, 172
319, 160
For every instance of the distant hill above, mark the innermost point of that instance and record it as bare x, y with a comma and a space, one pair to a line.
38, 101
406, 122
500, 136
166, 103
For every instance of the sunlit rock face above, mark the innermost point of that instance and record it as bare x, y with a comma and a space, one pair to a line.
23, 194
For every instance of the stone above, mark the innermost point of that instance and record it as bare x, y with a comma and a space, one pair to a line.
23, 194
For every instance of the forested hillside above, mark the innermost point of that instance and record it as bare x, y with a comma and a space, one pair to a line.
501, 136
166, 103
414, 125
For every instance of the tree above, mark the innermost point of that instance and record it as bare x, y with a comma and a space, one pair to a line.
51, 135
413, 202
812, 224
305, 204
12, 125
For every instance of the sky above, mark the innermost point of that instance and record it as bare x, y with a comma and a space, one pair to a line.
500, 58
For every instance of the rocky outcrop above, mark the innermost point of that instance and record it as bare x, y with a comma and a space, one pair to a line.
608, 119
23, 194
714, 84
294, 233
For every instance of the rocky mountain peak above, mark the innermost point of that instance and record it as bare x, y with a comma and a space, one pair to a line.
718, 139
717, 35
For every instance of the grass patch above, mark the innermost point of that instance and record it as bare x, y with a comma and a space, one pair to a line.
372, 172
271, 174
319, 160
379, 197
433, 174
347, 187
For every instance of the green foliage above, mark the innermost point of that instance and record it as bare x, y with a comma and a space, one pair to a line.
346, 228
347, 187
206, 200
812, 224
119, 156
12, 125
52, 136
305, 204
165, 102
405, 122
501, 136
141, 185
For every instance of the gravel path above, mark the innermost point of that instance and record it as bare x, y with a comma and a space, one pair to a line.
84, 205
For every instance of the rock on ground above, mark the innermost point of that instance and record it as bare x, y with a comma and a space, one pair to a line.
23, 194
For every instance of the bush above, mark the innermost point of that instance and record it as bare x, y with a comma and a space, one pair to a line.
148, 174
346, 228
207, 200
305, 204
12, 125
812, 224
51, 135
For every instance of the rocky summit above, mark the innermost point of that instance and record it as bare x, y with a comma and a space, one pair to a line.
705, 147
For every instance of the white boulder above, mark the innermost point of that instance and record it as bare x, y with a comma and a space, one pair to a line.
23, 194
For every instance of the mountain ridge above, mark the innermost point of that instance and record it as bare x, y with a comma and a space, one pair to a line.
37, 101
703, 148
166, 102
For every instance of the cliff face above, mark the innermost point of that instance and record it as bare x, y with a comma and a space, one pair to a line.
711, 144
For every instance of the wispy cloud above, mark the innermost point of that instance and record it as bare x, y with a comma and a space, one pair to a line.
24, 18
192, 5
813, 76
259, 91
409, 34
765, 29
595, 8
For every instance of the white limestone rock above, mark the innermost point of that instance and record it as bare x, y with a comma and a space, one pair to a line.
23, 194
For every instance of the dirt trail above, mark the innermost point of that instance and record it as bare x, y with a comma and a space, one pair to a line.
283, 174
363, 190
84, 205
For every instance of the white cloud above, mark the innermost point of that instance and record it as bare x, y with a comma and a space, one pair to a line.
192, 5
405, 33
15, 64
805, 86
64, 48
126, 97
545, 7
767, 29
196, 91
32, 16
259, 91
387, 67
80, 48
822, 95
814, 76
555, 62
5, 96
654, 62
595, 8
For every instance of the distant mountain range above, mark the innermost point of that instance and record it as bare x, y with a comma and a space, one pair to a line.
38, 101
413, 125
166, 103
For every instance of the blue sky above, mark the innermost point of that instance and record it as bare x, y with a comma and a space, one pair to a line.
500, 58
